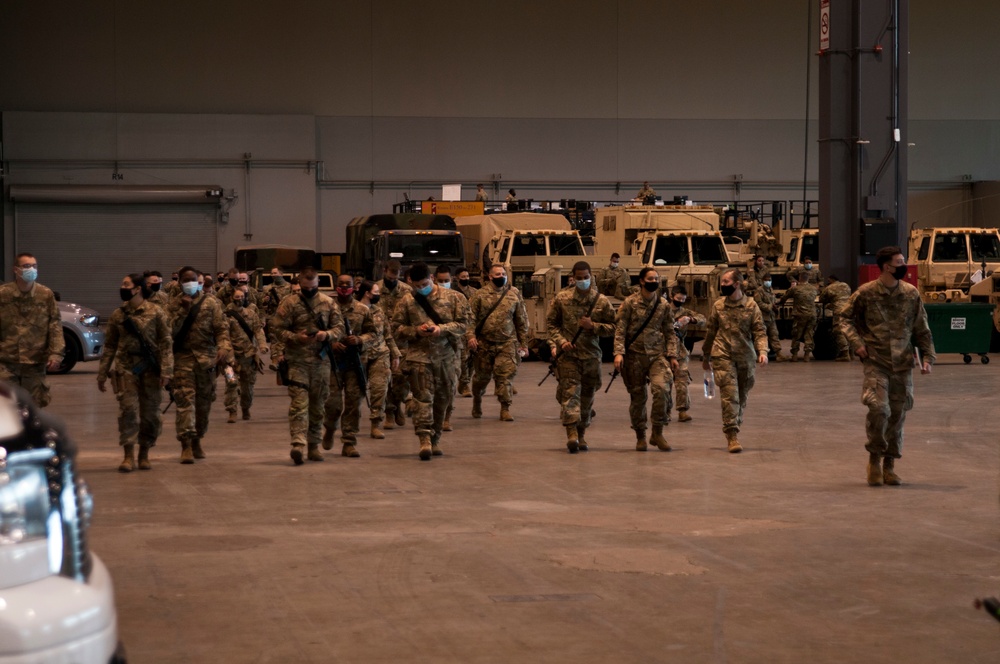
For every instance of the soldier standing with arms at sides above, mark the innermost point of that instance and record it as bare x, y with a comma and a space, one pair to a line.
575, 321
612, 281
246, 333
392, 290
646, 350
383, 357
764, 297
429, 319
682, 375
736, 337
347, 390
31, 337
466, 288
835, 295
803, 296
498, 332
138, 342
886, 325
154, 285
307, 323
201, 343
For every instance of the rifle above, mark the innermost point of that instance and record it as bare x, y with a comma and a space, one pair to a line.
629, 342
170, 390
149, 358
579, 330
352, 357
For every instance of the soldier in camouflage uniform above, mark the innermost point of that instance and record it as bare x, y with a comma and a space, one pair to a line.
496, 340
256, 298
430, 354
279, 289
154, 285
645, 192
138, 342
808, 273
803, 296
579, 362
835, 296
683, 318
613, 281
31, 337
173, 287
466, 288
246, 346
758, 272
764, 297
307, 324
346, 391
646, 351
201, 343
224, 291
392, 290
736, 337
383, 357
442, 277
885, 322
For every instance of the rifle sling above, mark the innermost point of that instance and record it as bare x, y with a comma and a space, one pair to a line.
428, 309
186, 326
144, 347
649, 317
232, 313
482, 323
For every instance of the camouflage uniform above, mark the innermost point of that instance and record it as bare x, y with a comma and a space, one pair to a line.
30, 337
756, 278
136, 383
273, 295
172, 287
159, 298
399, 388
382, 353
836, 296
225, 293
613, 282
245, 350
764, 297
465, 377
579, 369
646, 358
802, 275
646, 191
682, 378
803, 297
887, 322
346, 393
430, 361
503, 334
736, 336
308, 364
194, 364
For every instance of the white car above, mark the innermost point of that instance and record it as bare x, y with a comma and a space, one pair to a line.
56, 598
82, 333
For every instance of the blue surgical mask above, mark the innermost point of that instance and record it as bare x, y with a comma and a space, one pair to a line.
29, 274
426, 290
444, 284
767, 284
809, 266
190, 288
583, 284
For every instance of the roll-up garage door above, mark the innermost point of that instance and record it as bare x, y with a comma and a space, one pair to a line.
83, 251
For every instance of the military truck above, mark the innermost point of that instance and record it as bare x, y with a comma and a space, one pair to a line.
374, 240
950, 259
514, 240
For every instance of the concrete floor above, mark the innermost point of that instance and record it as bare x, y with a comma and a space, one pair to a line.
509, 549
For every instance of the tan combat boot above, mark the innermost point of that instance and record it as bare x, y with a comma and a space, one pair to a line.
888, 473
580, 430
400, 416
505, 415
658, 439
349, 450
144, 458
782, 357
464, 391
874, 470
572, 439
640, 440
232, 417
313, 453
794, 357
328, 438
807, 356
376, 432
446, 425
128, 463
246, 413
296, 454
436, 449
186, 455
734, 443
426, 449
196, 448
389, 423
682, 416
477, 406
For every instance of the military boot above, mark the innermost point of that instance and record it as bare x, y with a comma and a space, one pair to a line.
446, 425
400, 416
682, 416
376, 431
874, 470
196, 448
328, 438
580, 430
435, 448
844, 357
186, 455
782, 357
246, 413
390, 422
144, 457
464, 391
505, 415
807, 356
232, 417
477, 406
313, 453
734, 443
794, 357
349, 450
888, 474
426, 449
572, 439
128, 463
658, 439
640, 440
296, 454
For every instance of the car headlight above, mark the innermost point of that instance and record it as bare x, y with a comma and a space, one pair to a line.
24, 496
89, 320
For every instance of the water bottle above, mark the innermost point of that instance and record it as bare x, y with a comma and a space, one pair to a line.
230, 375
709, 384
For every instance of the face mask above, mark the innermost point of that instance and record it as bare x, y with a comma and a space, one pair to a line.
153, 288
190, 288
426, 290
677, 303
650, 286
240, 303
464, 283
809, 266
309, 293
278, 280
345, 291
614, 265
767, 284
899, 272
374, 299
233, 282
583, 284
29, 274
201, 287
727, 290
244, 283
390, 283
499, 282
445, 284
125, 294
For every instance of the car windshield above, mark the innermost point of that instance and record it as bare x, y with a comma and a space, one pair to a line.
433, 249
565, 245
950, 248
708, 250
985, 247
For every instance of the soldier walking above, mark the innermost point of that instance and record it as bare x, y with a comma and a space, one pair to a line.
279, 289
835, 295
392, 290
31, 337
154, 286
429, 320
466, 288
575, 320
736, 337
246, 333
683, 317
200, 343
886, 325
138, 343
307, 323
803, 295
383, 357
646, 351
498, 333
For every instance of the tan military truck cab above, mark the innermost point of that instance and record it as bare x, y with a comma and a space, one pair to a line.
949, 260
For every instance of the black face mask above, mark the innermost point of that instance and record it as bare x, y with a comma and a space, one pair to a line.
154, 288
374, 299
309, 293
233, 282
677, 303
499, 282
390, 283
125, 294
900, 272
240, 303
464, 283
727, 290
650, 286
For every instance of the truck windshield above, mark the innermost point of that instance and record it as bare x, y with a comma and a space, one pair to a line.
565, 245
950, 248
433, 249
985, 247
671, 250
708, 250
529, 245
810, 247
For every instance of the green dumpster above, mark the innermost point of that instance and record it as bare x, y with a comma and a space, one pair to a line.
961, 327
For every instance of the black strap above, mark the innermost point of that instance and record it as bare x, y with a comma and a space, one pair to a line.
318, 318
186, 326
144, 347
482, 323
579, 330
232, 313
649, 317
428, 309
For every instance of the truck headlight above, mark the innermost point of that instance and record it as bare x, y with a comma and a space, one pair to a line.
89, 320
24, 497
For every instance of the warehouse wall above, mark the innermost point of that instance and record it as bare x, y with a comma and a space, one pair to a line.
564, 99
